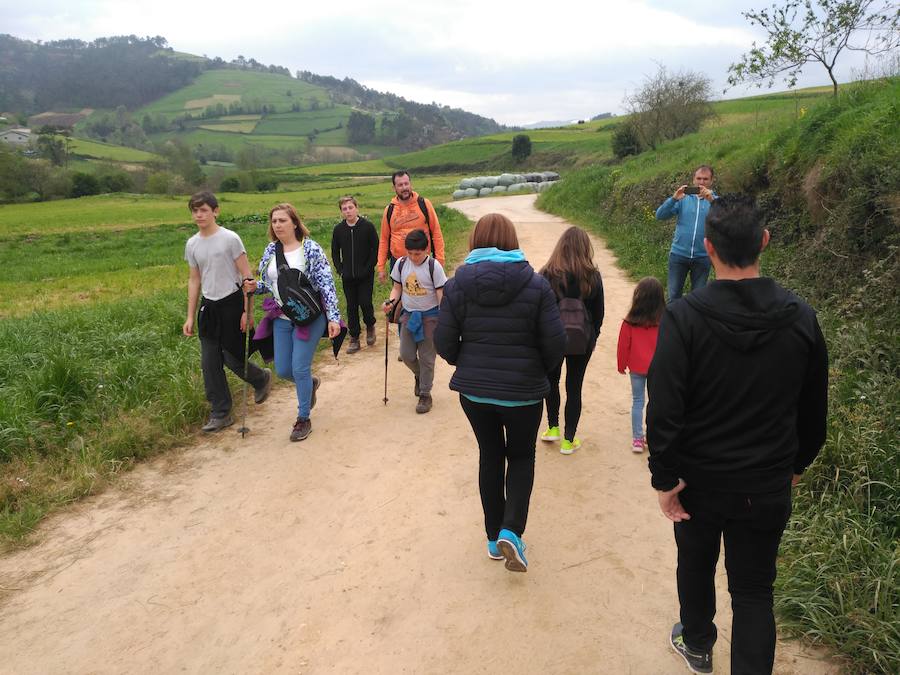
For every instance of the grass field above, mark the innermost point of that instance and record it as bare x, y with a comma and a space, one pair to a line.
81, 147
302, 123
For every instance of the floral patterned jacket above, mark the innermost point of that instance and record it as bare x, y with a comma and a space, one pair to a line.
317, 269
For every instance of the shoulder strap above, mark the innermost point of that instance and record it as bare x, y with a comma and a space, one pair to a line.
400, 263
424, 209
390, 212
280, 260
431, 269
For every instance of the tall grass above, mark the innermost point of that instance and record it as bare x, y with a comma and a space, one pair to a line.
830, 183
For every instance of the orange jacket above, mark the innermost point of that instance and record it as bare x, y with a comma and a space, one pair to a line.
407, 216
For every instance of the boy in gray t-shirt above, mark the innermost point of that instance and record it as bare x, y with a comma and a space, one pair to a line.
218, 264
419, 283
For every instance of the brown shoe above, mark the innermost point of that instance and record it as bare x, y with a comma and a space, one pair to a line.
354, 345
302, 429
370, 335
424, 404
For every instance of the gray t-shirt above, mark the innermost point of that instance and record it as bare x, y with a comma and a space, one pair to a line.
214, 256
418, 289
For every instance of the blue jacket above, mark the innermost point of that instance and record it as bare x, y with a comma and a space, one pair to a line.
690, 225
499, 325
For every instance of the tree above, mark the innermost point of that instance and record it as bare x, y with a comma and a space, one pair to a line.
84, 184
669, 106
625, 141
521, 147
52, 147
360, 128
815, 31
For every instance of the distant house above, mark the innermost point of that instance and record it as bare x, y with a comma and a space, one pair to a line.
16, 137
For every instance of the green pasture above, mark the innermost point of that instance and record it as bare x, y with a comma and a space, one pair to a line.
232, 140
267, 88
106, 151
303, 123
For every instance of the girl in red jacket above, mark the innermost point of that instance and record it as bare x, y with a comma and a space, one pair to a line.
637, 342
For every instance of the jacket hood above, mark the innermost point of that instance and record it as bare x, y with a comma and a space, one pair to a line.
493, 284
748, 313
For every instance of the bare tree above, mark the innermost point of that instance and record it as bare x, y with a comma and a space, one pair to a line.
815, 31
669, 105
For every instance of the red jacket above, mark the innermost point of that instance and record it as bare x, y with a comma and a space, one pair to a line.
636, 347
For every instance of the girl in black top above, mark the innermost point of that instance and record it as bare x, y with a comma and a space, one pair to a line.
572, 273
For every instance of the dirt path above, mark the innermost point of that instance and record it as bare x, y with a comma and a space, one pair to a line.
359, 550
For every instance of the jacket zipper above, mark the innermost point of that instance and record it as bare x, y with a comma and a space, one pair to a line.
696, 220
352, 256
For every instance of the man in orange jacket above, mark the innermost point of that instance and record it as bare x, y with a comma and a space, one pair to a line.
406, 212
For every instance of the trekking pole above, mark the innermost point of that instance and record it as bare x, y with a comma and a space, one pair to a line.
243, 430
387, 331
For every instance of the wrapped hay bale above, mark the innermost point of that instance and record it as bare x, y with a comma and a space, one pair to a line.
534, 177
550, 175
459, 194
516, 187
490, 181
471, 192
484, 192
465, 183
506, 179
478, 182
498, 189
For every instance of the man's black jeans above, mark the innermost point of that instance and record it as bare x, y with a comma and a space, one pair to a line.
751, 525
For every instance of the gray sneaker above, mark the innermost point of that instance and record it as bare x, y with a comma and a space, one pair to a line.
218, 423
424, 404
302, 429
261, 394
696, 661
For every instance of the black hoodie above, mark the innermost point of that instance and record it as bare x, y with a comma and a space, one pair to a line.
737, 388
354, 249
499, 325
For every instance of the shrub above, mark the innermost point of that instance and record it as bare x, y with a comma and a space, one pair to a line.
625, 141
230, 184
521, 147
84, 184
266, 184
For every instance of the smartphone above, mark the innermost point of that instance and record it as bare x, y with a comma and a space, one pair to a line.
692, 190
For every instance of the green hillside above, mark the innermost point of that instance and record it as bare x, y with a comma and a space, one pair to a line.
829, 179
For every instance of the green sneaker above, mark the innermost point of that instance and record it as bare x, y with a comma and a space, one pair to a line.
568, 447
552, 434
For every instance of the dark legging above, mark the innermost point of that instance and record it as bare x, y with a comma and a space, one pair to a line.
506, 438
576, 365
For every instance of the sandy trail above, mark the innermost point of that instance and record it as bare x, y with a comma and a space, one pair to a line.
361, 549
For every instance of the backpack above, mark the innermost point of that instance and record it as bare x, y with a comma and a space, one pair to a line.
300, 302
424, 210
397, 309
579, 331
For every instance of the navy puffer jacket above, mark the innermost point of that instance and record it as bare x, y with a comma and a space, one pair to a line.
499, 325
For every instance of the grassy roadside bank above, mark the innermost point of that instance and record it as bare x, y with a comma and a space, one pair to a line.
87, 391
830, 184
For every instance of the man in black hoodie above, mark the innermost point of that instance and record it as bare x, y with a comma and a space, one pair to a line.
738, 399
354, 248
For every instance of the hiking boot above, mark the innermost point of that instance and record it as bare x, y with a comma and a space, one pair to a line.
354, 345
261, 394
568, 447
302, 429
552, 434
637, 445
312, 399
424, 404
370, 335
416, 387
512, 548
493, 551
697, 661
218, 423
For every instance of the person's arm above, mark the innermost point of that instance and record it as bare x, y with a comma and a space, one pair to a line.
671, 206
384, 246
243, 266
193, 299
372, 248
598, 308
396, 291
812, 405
336, 250
623, 347
667, 393
436, 233
439, 292
448, 332
319, 272
551, 332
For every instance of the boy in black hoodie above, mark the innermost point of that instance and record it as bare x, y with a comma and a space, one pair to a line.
738, 399
354, 249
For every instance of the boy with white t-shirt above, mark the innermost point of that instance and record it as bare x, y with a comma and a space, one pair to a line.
218, 263
419, 283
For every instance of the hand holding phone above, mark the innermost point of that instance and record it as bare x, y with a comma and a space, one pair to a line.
692, 190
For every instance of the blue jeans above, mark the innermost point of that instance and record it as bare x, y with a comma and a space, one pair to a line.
293, 358
679, 266
638, 387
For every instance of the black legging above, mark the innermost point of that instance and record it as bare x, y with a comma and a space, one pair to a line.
576, 365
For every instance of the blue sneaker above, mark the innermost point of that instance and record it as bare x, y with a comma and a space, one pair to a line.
493, 551
513, 549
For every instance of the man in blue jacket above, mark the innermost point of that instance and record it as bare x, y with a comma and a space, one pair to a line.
687, 253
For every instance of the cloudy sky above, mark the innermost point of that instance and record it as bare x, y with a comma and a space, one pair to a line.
518, 61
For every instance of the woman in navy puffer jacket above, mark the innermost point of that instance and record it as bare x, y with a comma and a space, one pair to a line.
499, 325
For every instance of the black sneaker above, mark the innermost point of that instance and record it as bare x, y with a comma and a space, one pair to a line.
697, 661
261, 394
302, 429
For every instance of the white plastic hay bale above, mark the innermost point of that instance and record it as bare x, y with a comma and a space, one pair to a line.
534, 177
471, 192
484, 192
465, 183
532, 187
499, 188
459, 194
490, 181
478, 183
550, 175
506, 179
520, 178
516, 187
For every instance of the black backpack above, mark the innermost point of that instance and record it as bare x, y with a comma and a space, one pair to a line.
424, 210
579, 330
300, 302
